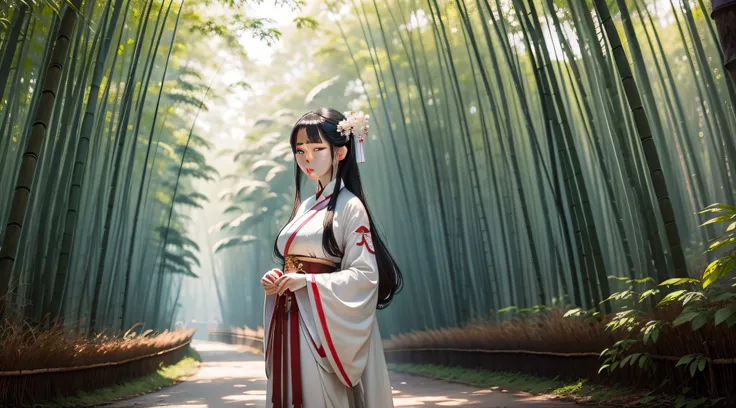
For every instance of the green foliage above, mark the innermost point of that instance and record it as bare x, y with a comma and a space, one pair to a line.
693, 362
704, 301
233, 241
306, 22
723, 265
523, 312
580, 313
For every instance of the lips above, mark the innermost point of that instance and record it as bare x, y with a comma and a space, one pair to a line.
310, 170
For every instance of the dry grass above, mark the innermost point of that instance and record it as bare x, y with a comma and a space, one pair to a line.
40, 365
548, 333
23, 347
549, 345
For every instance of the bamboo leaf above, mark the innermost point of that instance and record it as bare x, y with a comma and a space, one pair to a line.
232, 208
218, 227
319, 88
647, 294
717, 269
723, 314
722, 218
700, 320
626, 294
711, 268
634, 357
685, 317
671, 297
719, 207
679, 281
719, 244
691, 297
693, 368
650, 329
684, 360
306, 22
731, 321
233, 241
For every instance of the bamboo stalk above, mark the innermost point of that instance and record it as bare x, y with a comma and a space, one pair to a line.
646, 140
24, 184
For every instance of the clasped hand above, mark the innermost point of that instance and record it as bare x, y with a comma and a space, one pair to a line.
277, 282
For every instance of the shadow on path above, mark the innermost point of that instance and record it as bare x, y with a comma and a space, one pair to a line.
230, 376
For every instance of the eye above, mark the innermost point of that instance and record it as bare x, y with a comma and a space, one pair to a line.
299, 151
319, 149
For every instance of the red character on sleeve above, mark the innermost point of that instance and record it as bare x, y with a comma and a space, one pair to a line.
366, 240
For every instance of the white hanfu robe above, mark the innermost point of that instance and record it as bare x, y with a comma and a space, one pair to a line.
341, 355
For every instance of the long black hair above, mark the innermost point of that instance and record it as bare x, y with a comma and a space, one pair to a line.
324, 122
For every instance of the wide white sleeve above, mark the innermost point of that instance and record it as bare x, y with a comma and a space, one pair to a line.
344, 302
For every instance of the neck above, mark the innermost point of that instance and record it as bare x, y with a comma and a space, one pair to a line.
325, 179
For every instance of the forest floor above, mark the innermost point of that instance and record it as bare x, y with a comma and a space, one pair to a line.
232, 376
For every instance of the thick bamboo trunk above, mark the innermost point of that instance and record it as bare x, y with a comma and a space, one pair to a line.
38, 132
646, 140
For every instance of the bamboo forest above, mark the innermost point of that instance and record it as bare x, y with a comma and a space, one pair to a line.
555, 180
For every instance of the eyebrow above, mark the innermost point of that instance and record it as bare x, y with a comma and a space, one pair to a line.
302, 143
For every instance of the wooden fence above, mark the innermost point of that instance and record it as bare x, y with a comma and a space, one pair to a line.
20, 388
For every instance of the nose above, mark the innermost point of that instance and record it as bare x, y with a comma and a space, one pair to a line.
308, 156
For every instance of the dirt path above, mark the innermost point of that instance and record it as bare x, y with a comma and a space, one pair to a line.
231, 377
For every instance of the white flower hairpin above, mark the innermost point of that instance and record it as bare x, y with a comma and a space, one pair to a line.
356, 124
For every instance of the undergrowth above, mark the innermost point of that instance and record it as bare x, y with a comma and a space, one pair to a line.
165, 376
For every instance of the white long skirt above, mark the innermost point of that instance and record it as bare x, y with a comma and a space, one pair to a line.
323, 389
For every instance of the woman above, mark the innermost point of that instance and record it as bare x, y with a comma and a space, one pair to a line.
323, 346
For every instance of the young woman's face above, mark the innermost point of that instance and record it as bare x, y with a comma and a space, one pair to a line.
315, 159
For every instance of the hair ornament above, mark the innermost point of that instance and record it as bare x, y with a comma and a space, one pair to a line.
355, 124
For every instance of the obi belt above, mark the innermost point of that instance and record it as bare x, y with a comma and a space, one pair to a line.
285, 340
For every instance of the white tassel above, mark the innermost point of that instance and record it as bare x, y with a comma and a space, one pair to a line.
359, 153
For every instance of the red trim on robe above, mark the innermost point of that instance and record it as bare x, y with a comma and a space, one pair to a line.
330, 344
286, 251
320, 349
293, 234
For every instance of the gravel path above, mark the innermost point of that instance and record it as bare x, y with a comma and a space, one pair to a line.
232, 377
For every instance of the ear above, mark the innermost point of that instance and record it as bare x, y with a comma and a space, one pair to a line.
341, 152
